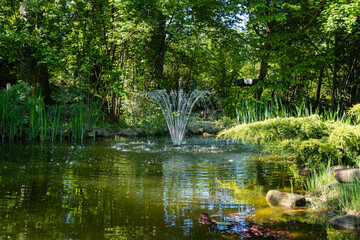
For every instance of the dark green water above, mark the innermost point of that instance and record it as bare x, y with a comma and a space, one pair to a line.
140, 189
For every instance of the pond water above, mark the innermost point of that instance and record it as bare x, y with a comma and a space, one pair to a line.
142, 189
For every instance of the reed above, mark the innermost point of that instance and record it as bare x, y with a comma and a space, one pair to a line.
10, 119
344, 198
83, 118
37, 119
56, 124
348, 200
318, 179
250, 110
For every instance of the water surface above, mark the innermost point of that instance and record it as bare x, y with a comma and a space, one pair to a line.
141, 188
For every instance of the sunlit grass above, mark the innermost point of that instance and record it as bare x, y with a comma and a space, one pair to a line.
340, 197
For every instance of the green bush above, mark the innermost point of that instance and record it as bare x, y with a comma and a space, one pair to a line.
278, 129
309, 139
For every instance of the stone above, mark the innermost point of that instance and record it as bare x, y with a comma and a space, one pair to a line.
346, 222
291, 200
128, 132
205, 134
347, 175
337, 168
197, 131
100, 132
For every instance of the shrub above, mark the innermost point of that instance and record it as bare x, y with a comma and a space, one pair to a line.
278, 129
308, 138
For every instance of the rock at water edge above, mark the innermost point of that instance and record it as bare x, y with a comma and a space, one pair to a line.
275, 197
347, 222
347, 175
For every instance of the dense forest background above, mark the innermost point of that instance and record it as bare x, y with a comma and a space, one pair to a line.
111, 50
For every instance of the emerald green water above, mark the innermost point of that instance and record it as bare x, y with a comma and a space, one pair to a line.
140, 189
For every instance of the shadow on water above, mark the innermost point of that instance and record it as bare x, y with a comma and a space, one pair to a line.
141, 189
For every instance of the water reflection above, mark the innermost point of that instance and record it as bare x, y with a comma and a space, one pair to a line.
145, 189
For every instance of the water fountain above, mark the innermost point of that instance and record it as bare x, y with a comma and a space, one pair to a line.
176, 107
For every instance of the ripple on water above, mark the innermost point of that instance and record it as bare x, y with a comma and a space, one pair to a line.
190, 146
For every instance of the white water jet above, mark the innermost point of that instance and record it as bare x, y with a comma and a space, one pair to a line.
176, 107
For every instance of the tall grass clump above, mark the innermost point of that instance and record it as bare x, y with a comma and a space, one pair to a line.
37, 120
56, 124
251, 110
348, 200
82, 119
10, 117
328, 195
315, 183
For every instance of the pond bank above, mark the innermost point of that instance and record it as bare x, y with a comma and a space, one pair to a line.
314, 144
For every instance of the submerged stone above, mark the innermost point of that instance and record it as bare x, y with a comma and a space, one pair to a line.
347, 222
347, 175
291, 200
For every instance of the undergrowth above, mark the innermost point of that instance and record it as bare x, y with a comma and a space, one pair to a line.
311, 140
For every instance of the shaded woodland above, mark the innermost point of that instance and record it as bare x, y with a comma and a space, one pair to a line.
108, 51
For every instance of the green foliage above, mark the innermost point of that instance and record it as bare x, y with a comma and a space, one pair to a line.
27, 116
10, 120
82, 119
354, 113
346, 139
277, 129
311, 140
12, 104
314, 152
37, 118
343, 198
315, 183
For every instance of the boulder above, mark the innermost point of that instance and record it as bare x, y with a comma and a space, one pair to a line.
205, 134
346, 222
197, 131
347, 175
100, 132
128, 132
337, 168
291, 200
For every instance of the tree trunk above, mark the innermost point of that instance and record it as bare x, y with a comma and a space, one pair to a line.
318, 91
158, 44
262, 75
334, 79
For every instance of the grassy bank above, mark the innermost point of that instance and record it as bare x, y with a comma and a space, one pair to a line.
331, 197
315, 143
24, 116
312, 141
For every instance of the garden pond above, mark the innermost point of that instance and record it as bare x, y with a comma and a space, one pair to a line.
144, 188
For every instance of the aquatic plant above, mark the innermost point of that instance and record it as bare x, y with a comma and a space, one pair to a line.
10, 120
342, 198
251, 110
56, 123
82, 119
37, 118
176, 107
